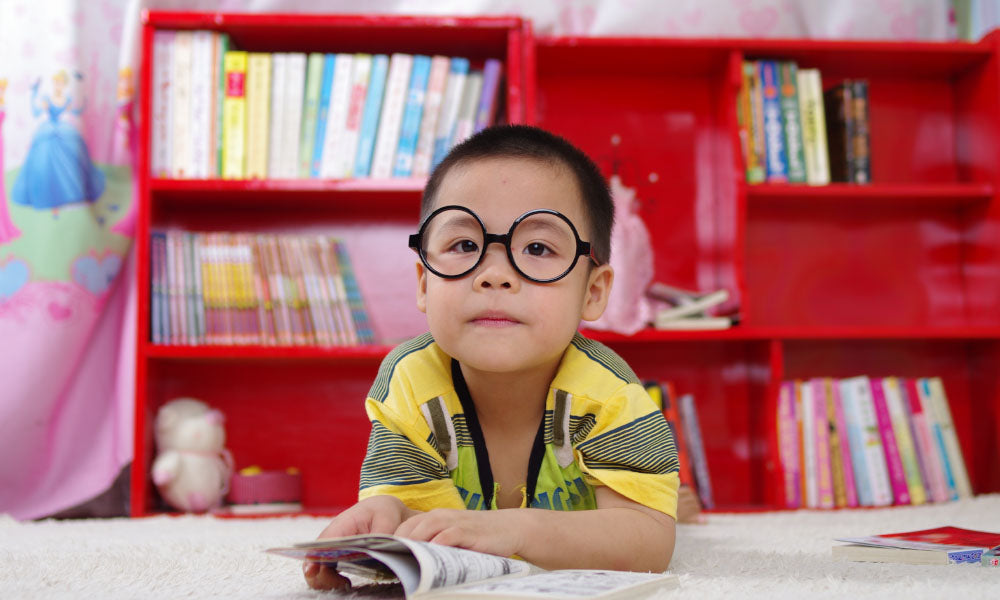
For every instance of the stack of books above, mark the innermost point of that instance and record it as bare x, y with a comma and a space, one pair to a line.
864, 441
243, 288
219, 112
682, 417
792, 131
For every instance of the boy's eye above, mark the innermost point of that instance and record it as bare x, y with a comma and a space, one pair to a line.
537, 249
464, 246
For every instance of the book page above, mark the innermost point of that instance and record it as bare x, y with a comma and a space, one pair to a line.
569, 584
442, 566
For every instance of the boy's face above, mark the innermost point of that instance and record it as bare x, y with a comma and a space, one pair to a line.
493, 319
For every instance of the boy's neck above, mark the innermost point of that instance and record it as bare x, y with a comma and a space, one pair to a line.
510, 399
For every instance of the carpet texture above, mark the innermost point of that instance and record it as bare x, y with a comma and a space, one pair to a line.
755, 555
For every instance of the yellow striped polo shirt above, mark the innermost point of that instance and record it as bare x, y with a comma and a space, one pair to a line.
600, 427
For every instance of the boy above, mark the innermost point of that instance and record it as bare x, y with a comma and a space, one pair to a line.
503, 408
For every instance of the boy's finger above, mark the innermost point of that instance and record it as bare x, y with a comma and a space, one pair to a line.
320, 577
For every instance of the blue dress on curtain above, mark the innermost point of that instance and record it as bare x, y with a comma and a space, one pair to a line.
58, 169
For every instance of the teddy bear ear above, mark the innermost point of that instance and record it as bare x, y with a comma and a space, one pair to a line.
215, 417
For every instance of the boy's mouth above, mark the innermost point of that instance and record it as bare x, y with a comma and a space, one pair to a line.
494, 318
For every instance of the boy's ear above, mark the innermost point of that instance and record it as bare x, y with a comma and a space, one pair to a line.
598, 291
421, 287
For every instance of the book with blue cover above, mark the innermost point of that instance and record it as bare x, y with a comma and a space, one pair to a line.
370, 115
412, 113
326, 86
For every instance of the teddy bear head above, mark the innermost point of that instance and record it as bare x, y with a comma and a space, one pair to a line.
189, 424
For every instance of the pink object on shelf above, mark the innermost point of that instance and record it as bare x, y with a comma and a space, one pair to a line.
264, 487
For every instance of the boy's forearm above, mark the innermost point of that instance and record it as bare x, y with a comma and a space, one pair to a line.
623, 539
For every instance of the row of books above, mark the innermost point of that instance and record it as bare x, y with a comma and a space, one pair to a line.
232, 114
864, 441
792, 131
682, 416
243, 288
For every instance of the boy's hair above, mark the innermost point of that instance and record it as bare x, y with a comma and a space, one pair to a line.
524, 141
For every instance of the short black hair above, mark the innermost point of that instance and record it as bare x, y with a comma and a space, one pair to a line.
525, 141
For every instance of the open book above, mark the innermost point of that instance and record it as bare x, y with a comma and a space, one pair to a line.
428, 570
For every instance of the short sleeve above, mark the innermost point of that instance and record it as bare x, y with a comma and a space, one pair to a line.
401, 462
631, 450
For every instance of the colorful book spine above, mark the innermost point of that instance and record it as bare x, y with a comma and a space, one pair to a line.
258, 117
161, 123
333, 163
202, 96
836, 457
295, 86
671, 413
813, 127
391, 117
929, 459
450, 104
466, 118
904, 441
753, 155
810, 471
190, 299
930, 412
234, 117
490, 97
180, 151
409, 129
791, 121
837, 105
370, 115
860, 391
199, 305
897, 477
699, 460
156, 277
860, 138
788, 445
942, 413
774, 135
360, 78
436, 82
220, 45
366, 335
844, 444
338, 291
821, 431
279, 76
323, 116
310, 113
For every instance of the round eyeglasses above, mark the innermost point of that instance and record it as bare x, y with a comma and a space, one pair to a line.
542, 245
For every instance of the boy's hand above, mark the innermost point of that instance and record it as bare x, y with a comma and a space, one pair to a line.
378, 514
497, 532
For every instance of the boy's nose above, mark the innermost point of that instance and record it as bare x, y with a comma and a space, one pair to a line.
496, 271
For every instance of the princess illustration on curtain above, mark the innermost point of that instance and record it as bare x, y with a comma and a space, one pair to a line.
8, 232
124, 150
57, 170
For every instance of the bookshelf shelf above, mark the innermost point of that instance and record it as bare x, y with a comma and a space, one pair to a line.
943, 195
340, 354
799, 333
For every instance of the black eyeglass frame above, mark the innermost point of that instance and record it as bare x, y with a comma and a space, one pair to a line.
582, 248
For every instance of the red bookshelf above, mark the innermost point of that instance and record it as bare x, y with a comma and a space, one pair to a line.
900, 277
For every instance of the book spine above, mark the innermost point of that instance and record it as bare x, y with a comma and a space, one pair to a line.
156, 287
161, 95
905, 387
201, 104
234, 118
875, 462
349, 335
436, 82
791, 122
258, 117
837, 454
190, 299
323, 116
860, 171
788, 444
671, 413
360, 78
692, 430
821, 431
889, 445
450, 104
856, 441
410, 128
837, 105
774, 135
490, 96
362, 323
214, 117
391, 117
850, 486
292, 128
901, 429
936, 431
332, 164
310, 113
180, 152
942, 414
221, 48
279, 69
370, 115
933, 471
808, 406
813, 127
192, 240
749, 95
465, 121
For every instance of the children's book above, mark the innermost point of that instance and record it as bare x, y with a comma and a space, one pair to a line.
941, 545
427, 570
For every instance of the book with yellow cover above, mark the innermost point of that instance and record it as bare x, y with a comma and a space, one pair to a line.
258, 99
234, 116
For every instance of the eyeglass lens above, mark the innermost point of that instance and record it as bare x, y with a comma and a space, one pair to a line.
542, 245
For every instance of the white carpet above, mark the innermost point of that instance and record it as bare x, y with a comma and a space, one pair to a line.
759, 555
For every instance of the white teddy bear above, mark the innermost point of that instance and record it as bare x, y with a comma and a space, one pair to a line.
193, 469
